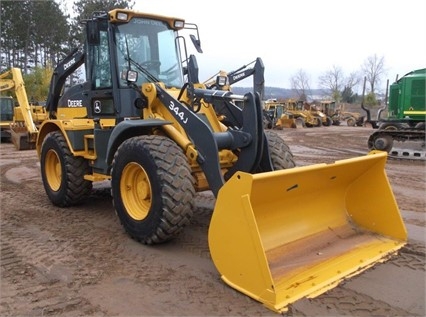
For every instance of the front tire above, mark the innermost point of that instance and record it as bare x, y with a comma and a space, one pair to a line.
281, 155
152, 188
62, 173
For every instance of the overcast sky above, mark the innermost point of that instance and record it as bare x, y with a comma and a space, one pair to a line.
306, 34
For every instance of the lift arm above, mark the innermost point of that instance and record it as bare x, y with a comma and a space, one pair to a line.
65, 67
12, 79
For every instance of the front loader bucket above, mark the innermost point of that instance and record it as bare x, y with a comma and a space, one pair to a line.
284, 235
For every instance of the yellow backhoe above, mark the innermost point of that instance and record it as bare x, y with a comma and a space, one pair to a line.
143, 121
27, 117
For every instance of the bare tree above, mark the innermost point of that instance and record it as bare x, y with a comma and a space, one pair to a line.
352, 80
348, 94
332, 80
300, 83
373, 69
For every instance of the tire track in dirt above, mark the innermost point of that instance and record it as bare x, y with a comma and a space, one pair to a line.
30, 289
344, 302
79, 261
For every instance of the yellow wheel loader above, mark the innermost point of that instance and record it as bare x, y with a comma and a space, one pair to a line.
23, 127
143, 121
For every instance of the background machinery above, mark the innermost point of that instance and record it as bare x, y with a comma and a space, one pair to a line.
274, 114
298, 110
277, 116
159, 139
26, 117
339, 114
6, 113
325, 119
406, 116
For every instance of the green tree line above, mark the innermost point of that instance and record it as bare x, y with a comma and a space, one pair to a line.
36, 35
40, 34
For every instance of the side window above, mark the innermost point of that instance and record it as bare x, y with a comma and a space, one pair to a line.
101, 72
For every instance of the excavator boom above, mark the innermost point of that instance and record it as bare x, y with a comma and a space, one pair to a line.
23, 132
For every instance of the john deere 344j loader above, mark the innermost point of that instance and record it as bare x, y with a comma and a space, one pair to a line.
144, 122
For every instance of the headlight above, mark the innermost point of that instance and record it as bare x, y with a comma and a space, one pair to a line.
179, 24
221, 81
122, 16
132, 76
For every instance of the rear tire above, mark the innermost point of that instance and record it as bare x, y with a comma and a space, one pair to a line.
62, 173
281, 155
152, 188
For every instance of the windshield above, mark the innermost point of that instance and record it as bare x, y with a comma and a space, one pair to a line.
148, 47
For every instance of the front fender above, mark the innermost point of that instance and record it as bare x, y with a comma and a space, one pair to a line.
129, 128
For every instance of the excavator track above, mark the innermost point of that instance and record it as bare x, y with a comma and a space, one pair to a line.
384, 140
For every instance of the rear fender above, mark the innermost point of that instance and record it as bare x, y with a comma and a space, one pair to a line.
45, 129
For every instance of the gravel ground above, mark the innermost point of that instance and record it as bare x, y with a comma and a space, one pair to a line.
79, 261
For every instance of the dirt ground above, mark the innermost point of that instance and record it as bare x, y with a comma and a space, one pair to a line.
79, 261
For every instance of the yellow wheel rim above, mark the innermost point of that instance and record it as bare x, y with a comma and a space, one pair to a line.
53, 170
136, 192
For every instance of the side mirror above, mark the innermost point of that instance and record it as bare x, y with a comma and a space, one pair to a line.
196, 43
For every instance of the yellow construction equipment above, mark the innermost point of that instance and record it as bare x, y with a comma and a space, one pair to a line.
339, 114
143, 121
280, 118
26, 117
297, 109
326, 120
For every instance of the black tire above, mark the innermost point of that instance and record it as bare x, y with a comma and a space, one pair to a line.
351, 122
328, 122
318, 122
383, 142
335, 119
62, 173
281, 155
152, 188
300, 123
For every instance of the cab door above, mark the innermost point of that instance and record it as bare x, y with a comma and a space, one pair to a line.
100, 95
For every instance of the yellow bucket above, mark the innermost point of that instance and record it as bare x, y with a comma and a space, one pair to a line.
284, 235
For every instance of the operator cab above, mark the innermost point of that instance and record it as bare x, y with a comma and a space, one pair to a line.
124, 50
6, 108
